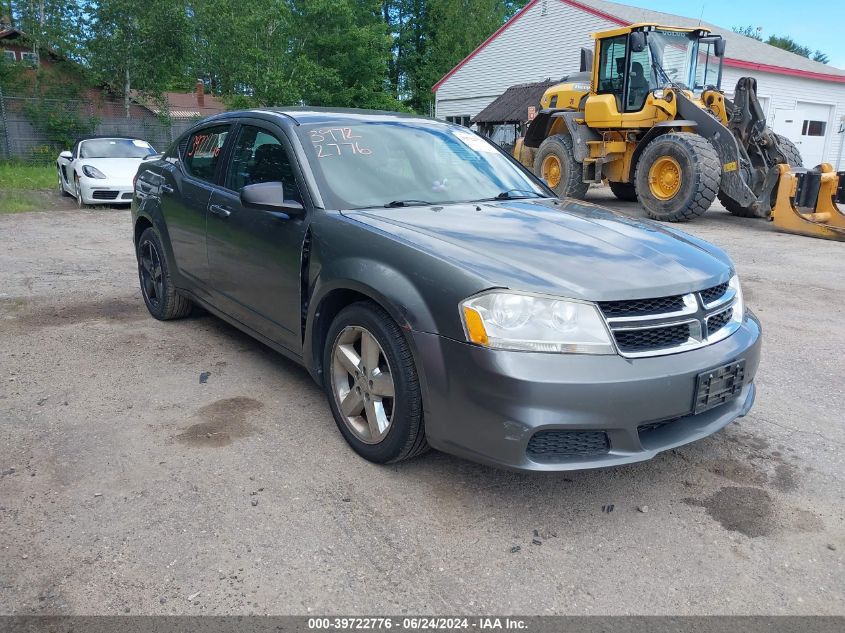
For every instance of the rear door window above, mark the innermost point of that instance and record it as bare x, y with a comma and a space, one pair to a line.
202, 151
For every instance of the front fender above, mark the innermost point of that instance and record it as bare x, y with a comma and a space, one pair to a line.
368, 278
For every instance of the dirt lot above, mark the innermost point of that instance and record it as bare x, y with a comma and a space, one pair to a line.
129, 485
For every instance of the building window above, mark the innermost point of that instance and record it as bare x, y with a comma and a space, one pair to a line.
9, 55
30, 59
813, 128
460, 120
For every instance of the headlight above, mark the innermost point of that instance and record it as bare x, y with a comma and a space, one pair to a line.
92, 172
739, 304
514, 321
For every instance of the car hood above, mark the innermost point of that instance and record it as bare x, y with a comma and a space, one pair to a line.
568, 248
115, 169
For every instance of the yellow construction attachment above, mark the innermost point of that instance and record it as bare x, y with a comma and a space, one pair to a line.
806, 203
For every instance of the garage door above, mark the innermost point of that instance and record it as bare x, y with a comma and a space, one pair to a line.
808, 126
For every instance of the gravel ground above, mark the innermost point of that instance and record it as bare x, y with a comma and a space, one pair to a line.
129, 485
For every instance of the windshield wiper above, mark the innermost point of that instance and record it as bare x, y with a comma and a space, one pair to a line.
407, 203
509, 194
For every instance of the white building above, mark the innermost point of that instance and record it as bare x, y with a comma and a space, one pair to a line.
802, 99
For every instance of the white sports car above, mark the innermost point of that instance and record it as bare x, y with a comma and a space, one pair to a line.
100, 170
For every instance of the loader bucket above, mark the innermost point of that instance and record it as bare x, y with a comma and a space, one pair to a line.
807, 203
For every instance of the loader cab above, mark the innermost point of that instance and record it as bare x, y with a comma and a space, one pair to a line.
631, 63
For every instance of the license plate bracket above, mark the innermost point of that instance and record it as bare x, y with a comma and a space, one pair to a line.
718, 386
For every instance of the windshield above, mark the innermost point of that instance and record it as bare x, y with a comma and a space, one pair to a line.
376, 163
708, 67
672, 56
115, 148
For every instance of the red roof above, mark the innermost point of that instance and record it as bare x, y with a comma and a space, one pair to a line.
183, 104
736, 63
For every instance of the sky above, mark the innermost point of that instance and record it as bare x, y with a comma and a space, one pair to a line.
817, 25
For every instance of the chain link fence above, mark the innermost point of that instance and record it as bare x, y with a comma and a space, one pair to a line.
36, 129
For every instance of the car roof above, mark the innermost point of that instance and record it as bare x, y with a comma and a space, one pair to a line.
311, 115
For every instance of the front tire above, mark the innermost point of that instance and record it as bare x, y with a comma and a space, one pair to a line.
160, 295
555, 163
677, 177
78, 192
372, 385
793, 159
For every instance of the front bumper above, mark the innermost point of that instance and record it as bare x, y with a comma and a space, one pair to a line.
485, 405
108, 191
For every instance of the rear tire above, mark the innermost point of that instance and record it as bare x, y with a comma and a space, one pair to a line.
793, 158
791, 151
624, 191
555, 163
677, 177
62, 191
369, 372
160, 295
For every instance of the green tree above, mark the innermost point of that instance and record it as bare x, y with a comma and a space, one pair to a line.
57, 26
748, 31
138, 46
785, 42
289, 52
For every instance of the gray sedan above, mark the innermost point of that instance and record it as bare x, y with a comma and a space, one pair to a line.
441, 294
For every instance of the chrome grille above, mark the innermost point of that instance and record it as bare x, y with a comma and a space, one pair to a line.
712, 294
652, 338
717, 321
642, 306
669, 324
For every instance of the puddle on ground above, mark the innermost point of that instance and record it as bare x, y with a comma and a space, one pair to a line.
121, 309
221, 422
742, 509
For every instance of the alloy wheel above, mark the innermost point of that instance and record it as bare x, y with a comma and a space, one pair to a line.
362, 384
152, 277
79, 202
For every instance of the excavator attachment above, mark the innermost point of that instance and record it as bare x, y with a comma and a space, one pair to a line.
807, 201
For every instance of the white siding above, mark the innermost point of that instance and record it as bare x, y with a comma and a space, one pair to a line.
535, 47
545, 42
783, 91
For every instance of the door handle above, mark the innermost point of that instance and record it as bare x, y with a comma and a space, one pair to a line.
166, 189
223, 212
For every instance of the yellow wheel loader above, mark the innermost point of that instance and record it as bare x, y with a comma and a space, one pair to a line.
647, 115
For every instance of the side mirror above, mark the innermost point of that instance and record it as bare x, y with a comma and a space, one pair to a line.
270, 196
636, 40
586, 60
67, 155
719, 47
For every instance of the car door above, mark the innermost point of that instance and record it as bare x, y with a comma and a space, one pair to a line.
185, 193
255, 255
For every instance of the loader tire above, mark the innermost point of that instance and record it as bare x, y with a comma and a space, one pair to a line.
678, 177
793, 158
791, 151
555, 163
624, 191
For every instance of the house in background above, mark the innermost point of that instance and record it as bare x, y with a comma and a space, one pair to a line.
181, 105
17, 48
507, 117
94, 108
14, 46
802, 99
